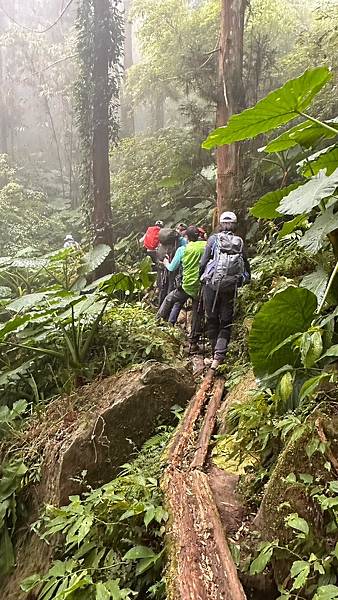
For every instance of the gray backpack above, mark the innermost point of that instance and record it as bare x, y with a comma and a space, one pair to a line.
228, 260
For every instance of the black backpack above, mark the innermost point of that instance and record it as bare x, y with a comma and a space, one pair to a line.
228, 260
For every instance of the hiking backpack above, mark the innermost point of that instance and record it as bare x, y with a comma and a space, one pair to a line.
228, 260
152, 238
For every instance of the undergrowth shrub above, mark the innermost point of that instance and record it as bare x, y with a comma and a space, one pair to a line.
276, 264
111, 543
128, 334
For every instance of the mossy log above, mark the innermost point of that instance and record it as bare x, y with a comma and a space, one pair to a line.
200, 563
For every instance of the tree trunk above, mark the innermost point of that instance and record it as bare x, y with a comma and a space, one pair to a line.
230, 100
127, 110
102, 214
3, 104
158, 115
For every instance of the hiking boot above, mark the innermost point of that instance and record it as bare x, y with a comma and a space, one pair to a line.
215, 364
193, 348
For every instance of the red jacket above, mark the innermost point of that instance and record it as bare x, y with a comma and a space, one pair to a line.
152, 239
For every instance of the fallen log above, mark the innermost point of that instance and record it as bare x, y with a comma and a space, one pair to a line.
180, 442
208, 425
200, 563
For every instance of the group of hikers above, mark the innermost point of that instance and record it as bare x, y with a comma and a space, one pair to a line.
206, 271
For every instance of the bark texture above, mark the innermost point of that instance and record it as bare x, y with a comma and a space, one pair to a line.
200, 562
102, 213
3, 104
230, 100
127, 109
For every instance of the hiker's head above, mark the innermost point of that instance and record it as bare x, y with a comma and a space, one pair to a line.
181, 228
159, 224
192, 233
202, 233
228, 221
69, 238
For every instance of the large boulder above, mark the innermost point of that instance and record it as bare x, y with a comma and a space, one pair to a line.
84, 439
137, 404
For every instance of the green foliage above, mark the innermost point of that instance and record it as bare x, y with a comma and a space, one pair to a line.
269, 331
174, 38
323, 159
278, 108
11, 479
9, 417
113, 535
306, 135
308, 196
314, 573
60, 328
266, 207
143, 167
26, 218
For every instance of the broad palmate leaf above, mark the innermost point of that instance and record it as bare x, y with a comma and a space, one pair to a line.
266, 206
324, 159
287, 313
94, 258
306, 134
314, 237
306, 197
278, 108
316, 282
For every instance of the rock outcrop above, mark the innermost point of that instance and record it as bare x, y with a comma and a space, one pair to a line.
84, 439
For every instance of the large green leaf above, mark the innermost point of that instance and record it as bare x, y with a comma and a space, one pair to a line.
266, 206
306, 197
278, 108
26, 302
314, 237
287, 313
326, 592
139, 552
290, 226
306, 134
324, 159
29, 263
94, 258
15, 374
316, 282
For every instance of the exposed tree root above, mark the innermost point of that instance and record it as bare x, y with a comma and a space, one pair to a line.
200, 562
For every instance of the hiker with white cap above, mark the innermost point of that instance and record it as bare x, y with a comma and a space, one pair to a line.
224, 267
69, 242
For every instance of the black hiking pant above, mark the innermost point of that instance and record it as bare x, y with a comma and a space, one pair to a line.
165, 282
171, 307
219, 308
153, 255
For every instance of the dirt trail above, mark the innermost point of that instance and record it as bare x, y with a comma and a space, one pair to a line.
200, 563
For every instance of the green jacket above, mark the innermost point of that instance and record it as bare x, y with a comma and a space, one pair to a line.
191, 267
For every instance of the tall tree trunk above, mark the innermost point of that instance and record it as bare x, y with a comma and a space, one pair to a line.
230, 100
3, 104
127, 110
102, 214
158, 115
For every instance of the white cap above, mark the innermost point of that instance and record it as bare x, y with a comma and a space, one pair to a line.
68, 237
228, 217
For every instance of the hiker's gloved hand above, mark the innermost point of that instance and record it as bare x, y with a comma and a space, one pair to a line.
246, 278
165, 261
